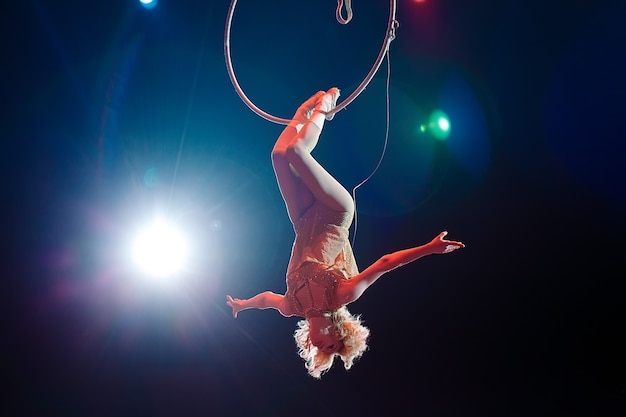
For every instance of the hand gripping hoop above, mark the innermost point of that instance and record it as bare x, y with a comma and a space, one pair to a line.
390, 36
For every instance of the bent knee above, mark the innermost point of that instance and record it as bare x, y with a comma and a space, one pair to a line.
279, 156
296, 149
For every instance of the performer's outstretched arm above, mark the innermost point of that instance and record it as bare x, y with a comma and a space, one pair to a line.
261, 301
353, 288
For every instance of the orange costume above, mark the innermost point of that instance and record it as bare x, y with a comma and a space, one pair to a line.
321, 258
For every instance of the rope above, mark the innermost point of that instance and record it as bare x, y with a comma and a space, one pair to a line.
382, 154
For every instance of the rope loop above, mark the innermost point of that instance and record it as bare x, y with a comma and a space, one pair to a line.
392, 31
392, 25
338, 14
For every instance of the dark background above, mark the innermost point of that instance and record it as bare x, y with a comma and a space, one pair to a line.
110, 112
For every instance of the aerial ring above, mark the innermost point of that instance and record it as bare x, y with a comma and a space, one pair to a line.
390, 36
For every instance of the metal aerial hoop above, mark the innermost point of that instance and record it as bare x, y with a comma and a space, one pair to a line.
389, 37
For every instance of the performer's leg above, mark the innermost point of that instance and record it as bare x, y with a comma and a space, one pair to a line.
323, 186
296, 194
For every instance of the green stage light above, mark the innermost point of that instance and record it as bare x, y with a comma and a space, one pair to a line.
438, 125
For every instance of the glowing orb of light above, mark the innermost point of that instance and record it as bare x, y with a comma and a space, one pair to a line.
443, 124
160, 250
148, 4
439, 125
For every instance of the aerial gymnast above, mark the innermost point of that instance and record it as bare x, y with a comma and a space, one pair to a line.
322, 275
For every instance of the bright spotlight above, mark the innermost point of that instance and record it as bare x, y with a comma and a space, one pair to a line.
438, 125
443, 124
149, 4
160, 250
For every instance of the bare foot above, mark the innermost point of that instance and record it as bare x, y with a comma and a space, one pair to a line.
327, 102
306, 109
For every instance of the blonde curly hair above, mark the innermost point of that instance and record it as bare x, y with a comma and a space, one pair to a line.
354, 335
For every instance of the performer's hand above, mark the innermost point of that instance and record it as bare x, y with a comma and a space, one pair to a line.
441, 245
236, 304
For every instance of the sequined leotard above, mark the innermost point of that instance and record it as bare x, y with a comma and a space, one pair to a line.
321, 258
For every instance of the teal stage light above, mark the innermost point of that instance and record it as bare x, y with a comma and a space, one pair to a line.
438, 125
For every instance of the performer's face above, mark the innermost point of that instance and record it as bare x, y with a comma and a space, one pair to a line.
326, 338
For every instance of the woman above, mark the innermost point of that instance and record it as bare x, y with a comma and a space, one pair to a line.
322, 276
